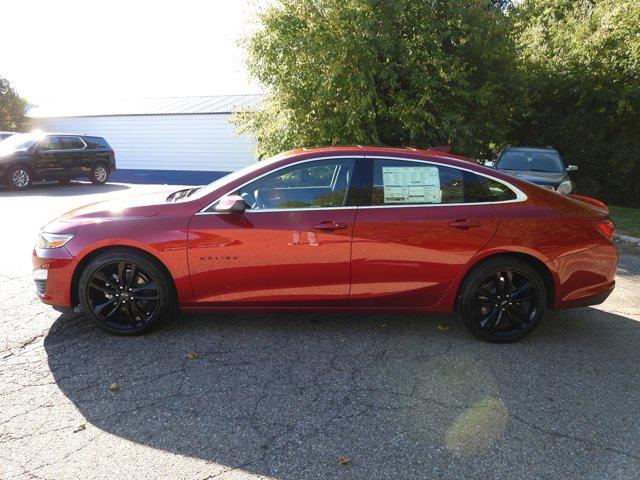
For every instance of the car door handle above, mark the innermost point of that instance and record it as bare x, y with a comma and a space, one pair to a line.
466, 223
330, 225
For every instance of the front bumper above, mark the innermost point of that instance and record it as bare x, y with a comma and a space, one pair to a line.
52, 273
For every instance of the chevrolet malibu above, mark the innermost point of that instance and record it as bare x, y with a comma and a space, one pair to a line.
352, 228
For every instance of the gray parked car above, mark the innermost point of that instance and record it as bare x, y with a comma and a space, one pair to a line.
542, 166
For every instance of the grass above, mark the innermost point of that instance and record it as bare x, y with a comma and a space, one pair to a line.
627, 220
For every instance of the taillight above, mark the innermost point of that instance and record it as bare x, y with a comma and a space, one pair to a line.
606, 228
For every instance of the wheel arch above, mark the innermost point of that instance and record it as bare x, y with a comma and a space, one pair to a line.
540, 266
24, 164
86, 260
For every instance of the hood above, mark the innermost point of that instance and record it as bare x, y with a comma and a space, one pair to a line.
6, 155
539, 178
147, 205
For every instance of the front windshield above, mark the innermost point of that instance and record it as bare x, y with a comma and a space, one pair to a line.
207, 189
531, 160
18, 142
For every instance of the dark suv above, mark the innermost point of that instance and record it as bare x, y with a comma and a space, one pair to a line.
26, 157
542, 166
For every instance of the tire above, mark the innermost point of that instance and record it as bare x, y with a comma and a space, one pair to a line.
99, 174
502, 300
124, 300
19, 177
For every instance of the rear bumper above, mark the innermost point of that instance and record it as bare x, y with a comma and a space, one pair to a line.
595, 299
584, 278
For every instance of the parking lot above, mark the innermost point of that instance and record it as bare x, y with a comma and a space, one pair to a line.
301, 396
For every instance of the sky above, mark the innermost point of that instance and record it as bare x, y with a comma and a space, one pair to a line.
75, 49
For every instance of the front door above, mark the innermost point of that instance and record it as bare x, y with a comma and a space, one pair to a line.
419, 226
291, 247
50, 159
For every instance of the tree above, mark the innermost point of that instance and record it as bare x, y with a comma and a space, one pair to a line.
12, 107
582, 66
401, 73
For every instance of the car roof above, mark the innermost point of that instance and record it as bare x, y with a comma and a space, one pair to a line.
535, 149
66, 134
440, 152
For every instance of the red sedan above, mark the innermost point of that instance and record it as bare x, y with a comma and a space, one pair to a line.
357, 228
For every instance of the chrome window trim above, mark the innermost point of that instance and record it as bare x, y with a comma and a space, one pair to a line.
520, 195
332, 157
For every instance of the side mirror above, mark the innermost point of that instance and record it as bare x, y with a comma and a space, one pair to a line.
572, 168
231, 204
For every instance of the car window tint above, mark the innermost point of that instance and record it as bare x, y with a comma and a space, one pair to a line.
399, 182
317, 184
534, 161
96, 142
49, 143
483, 189
71, 143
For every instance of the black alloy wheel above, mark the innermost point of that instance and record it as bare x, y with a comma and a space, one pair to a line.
504, 301
124, 293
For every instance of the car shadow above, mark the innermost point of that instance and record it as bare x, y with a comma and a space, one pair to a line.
54, 189
402, 396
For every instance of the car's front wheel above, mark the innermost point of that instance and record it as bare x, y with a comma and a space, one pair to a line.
19, 178
99, 174
502, 300
125, 292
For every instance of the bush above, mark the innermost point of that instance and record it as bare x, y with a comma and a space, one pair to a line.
401, 73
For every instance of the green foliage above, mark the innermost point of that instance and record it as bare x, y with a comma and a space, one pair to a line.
627, 220
12, 107
474, 74
401, 73
582, 66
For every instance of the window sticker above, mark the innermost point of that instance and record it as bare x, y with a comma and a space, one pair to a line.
411, 185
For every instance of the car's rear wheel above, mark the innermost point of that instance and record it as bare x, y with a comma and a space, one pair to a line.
19, 178
99, 174
502, 300
125, 293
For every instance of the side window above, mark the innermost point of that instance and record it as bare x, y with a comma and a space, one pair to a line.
96, 142
483, 189
399, 182
49, 143
317, 184
71, 143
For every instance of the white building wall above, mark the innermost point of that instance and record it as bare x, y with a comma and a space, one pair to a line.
164, 142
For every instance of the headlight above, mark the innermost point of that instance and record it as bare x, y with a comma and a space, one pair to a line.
53, 240
565, 187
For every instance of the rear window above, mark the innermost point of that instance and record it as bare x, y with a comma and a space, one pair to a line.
71, 143
483, 189
96, 142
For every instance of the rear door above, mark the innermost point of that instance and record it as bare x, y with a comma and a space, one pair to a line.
291, 247
74, 154
419, 226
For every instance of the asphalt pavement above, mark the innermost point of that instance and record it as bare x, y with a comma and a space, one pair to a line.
308, 396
